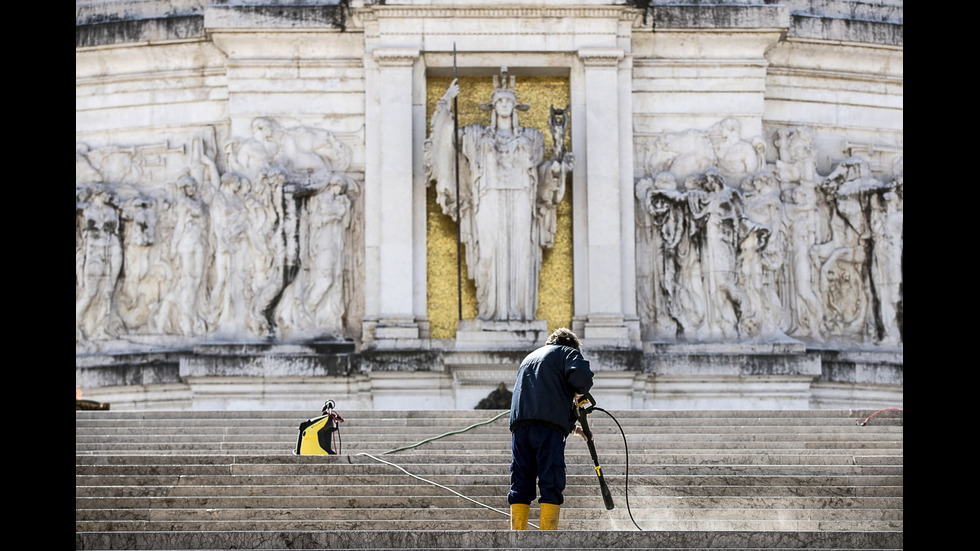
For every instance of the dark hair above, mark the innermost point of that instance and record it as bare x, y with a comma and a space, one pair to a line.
564, 337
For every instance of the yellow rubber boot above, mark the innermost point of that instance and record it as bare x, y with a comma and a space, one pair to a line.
518, 516
549, 516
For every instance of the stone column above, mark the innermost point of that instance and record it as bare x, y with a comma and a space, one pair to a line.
390, 320
609, 303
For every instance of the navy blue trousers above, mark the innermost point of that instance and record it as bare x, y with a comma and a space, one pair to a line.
537, 455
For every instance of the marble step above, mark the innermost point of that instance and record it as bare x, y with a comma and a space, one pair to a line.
581, 486
381, 433
481, 524
679, 483
209, 473
637, 460
500, 441
361, 428
428, 470
393, 440
476, 540
483, 435
413, 416
406, 505
217, 444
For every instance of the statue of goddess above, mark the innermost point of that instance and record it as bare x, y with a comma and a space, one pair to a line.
503, 221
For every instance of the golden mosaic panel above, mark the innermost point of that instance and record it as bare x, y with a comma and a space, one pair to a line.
555, 291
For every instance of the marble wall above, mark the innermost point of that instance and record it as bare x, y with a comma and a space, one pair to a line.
255, 172
169, 248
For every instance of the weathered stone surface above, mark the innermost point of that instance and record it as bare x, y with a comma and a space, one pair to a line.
142, 30
255, 172
698, 479
229, 360
92, 371
490, 539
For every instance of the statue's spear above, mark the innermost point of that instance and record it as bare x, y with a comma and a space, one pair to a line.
459, 222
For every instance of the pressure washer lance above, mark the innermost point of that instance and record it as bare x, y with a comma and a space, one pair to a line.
583, 408
332, 428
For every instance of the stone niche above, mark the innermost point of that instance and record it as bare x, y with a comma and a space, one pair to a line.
266, 215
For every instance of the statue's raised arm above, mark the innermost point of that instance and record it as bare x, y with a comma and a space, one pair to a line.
440, 165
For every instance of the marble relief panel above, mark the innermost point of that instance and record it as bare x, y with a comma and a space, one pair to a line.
247, 239
743, 238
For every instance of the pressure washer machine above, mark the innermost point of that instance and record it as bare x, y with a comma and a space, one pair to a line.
317, 435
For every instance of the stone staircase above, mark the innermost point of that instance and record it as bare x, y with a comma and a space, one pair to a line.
697, 480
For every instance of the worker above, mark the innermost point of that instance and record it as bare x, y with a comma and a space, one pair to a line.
542, 415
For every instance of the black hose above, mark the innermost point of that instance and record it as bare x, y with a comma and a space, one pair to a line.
626, 445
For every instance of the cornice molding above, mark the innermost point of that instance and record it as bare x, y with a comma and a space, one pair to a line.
396, 57
601, 57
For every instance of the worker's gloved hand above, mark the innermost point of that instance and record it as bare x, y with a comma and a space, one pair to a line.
578, 430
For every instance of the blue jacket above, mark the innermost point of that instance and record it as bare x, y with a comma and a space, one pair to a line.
546, 384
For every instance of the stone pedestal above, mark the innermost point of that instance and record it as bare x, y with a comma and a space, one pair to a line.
477, 373
232, 376
501, 335
760, 375
315, 359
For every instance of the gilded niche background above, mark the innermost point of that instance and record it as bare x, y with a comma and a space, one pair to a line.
555, 281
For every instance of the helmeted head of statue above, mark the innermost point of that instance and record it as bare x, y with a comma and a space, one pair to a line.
503, 100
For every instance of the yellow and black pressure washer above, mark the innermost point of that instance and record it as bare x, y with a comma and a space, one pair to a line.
316, 435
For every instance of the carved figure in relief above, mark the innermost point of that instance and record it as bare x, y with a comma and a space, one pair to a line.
887, 230
85, 173
230, 289
183, 310
676, 308
797, 156
144, 284
846, 265
317, 292
267, 240
737, 157
288, 171
842, 258
318, 215
692, 152
761, 279
256, 161
251, 156
98, 266
500, 214
648, 278
720, 227
800, 202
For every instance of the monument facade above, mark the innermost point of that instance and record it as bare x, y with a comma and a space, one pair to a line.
715, 191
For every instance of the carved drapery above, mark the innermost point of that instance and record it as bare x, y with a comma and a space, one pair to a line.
734, 247
246, 241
